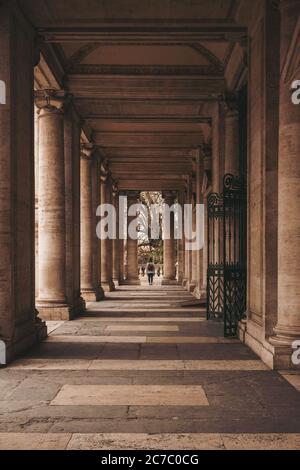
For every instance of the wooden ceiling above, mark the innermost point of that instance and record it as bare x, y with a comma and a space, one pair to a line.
144, 74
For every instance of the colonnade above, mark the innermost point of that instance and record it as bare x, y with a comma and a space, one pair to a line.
60, 171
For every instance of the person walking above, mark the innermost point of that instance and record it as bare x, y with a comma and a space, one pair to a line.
150, 271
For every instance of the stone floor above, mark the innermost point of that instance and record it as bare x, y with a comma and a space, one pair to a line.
138, 371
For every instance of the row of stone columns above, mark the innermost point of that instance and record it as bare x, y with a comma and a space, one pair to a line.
73, 266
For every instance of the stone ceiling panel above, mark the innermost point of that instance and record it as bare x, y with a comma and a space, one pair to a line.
139, 107
56, 12
145, 55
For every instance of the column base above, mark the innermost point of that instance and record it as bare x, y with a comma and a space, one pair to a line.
116, 282
169, 282
58, 311
275, 353
92, 295
191, 286
108, 286
131, 282
199, 293
26, 336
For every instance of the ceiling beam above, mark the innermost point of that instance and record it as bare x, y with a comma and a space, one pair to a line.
136, 127
97, 86
156, 139
145, 33
150, 185
162, 176
111, 152
145, 118
151, 168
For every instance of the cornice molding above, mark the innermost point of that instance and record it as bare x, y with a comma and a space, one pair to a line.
87, 151
104, 170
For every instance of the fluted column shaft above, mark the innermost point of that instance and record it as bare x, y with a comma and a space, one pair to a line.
194, 254
90, 291
169, 244
121, 261
132, 244
115, 241
106, 244
51, 223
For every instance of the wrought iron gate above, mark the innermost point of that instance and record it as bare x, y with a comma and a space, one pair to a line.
226, 275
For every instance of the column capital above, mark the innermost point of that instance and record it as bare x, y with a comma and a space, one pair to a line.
114, 188
230, 103
87, 151
49, 100
104, 170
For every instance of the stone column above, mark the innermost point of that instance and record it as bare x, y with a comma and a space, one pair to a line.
169, 244
231, 157
121, 262
206, 189
199, 291
288, 324
36, 190
115, 241
132, 244
189, 282
181, 253
91, 292
185, 252
19, 326
72, 131
106, 252
193, 253
218, 146
52, 297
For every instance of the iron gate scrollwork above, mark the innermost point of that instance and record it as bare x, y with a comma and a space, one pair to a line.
226, 274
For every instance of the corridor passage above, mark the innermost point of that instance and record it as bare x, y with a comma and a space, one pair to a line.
142, 369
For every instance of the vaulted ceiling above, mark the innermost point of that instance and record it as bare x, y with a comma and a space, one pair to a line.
144, 75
